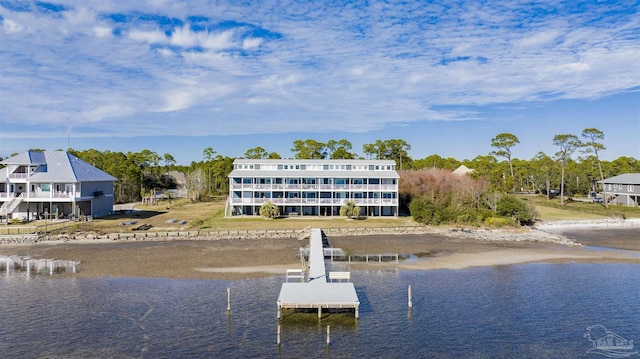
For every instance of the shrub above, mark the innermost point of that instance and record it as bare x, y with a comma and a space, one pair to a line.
425, 210
511, 206
269, 210
350, 209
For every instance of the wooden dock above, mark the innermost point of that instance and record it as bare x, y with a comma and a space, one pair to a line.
317, 292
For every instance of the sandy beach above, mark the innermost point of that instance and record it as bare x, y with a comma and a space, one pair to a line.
444, 248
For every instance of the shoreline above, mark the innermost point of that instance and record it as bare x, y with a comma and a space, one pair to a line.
438, 248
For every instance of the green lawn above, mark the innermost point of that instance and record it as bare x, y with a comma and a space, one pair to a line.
551, 210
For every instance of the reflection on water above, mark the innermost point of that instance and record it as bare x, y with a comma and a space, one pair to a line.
524, 311
10, 265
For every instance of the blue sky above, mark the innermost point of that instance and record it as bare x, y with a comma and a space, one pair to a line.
180, 76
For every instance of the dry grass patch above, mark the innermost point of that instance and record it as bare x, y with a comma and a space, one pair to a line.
210, 216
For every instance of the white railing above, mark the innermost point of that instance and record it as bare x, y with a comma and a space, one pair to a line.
18, 175
54, 194
313, 201
320, 187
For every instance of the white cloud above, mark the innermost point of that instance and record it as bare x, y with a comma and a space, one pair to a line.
101, 31
305, 67
251, 43
11, 26
151, 37
538, 39
186, 38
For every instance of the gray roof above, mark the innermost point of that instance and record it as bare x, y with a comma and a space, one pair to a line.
26, 158
60, 167
627, 178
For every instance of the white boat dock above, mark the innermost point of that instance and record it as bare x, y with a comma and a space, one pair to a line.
317, 292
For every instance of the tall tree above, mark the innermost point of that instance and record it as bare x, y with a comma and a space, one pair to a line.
369, 149
542, 168
393, 149
592, 136
309, 150
256, 153
339, 149
168, 161
568, 144
503, 143
207, 154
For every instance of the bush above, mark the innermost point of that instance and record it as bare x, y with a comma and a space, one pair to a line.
424, 210
511, 206
349, 209
269, 210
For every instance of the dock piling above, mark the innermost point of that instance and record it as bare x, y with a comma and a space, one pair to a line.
410, 297
328, 334
228, 299
278, 338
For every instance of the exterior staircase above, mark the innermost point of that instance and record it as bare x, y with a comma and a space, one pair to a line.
10, 206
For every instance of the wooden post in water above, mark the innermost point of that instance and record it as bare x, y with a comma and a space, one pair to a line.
410, 297
278, 339
228, 299
319, 313
28, 267
51, 267
328, 334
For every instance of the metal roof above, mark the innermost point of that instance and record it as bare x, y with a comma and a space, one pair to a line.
627, 178
60, 167
26, 158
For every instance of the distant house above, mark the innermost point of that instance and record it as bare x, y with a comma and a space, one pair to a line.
181, 184
463, 170
53, 184
623, 189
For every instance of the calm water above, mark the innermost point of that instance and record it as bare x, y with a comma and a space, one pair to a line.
523, 311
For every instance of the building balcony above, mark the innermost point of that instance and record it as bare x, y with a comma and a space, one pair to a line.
18, 176
316, 187
40, 195
315, 201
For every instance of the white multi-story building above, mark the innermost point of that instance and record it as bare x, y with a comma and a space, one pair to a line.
313, 187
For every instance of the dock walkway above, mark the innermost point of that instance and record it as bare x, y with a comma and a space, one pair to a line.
317, 292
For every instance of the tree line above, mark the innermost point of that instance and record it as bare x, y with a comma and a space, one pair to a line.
498, 172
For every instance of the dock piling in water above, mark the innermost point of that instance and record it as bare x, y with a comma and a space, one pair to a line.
328, 334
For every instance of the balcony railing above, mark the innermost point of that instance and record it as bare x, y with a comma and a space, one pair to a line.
316, 187
40, 195
314, 201
18, 175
